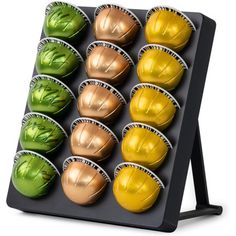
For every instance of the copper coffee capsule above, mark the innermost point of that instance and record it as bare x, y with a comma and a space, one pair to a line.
99, 100
83, 181
144, 145
91, 139
161, 66
152, 105
107, 62
135, 188
115, 24
169, 27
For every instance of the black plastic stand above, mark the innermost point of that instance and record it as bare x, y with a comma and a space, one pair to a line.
203, 206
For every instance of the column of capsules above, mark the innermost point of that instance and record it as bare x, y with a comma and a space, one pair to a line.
41, 135
152, 109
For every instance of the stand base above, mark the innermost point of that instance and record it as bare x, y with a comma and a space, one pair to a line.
201, 211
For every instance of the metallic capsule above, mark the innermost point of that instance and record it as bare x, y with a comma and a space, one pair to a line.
144, 145
83, 181
57, 58
115, 24
65, 21
135, 188
160, 66
107, 62
152, 105
91, 139
40, 133
100, 101
32, 174
49, 96
168, 27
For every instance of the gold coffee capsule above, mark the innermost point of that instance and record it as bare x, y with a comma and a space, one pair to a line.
107, 62
83, 181
115, 24
144, 145
169, 27
99, 100
161, 66
91, 139
152, 105
135, 187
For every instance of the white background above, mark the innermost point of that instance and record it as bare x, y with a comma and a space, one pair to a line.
21, 24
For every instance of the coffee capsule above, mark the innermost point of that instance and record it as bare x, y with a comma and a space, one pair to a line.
100, 101
49, 96
65, 21
152, 105
144, 145
169, 27
91, 139
135, 187
83, 181
57, 58
33, 174
115, 24
161, 66
107, 62
41, 133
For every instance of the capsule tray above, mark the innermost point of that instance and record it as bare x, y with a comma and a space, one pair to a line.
164, 214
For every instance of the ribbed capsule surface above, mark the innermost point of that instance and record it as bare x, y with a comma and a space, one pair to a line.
49, 96
144, 147
32, 176
91, 141
107, 64
168, 27
56, 58
82, 184
99, 103
40, 133
152, 107
135, 190
115, 26
64, 21
158, 66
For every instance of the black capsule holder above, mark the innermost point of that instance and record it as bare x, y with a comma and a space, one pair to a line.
183, 133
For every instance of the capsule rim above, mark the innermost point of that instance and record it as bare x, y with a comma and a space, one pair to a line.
29, 115
55, 80
74, 7
102, 84
140, 167
22, 152
96, 122
147, 127
157, 88
88, 162
171, 9
107, 44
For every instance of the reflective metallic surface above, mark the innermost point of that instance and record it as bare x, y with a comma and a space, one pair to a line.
116, 25
49, 96
82, 183
32, 174
143, 145
134, 189
56, 58
40, 133
168, 27
160, 66
91, 141
64, 21
152, 107
107, 64
99, 102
